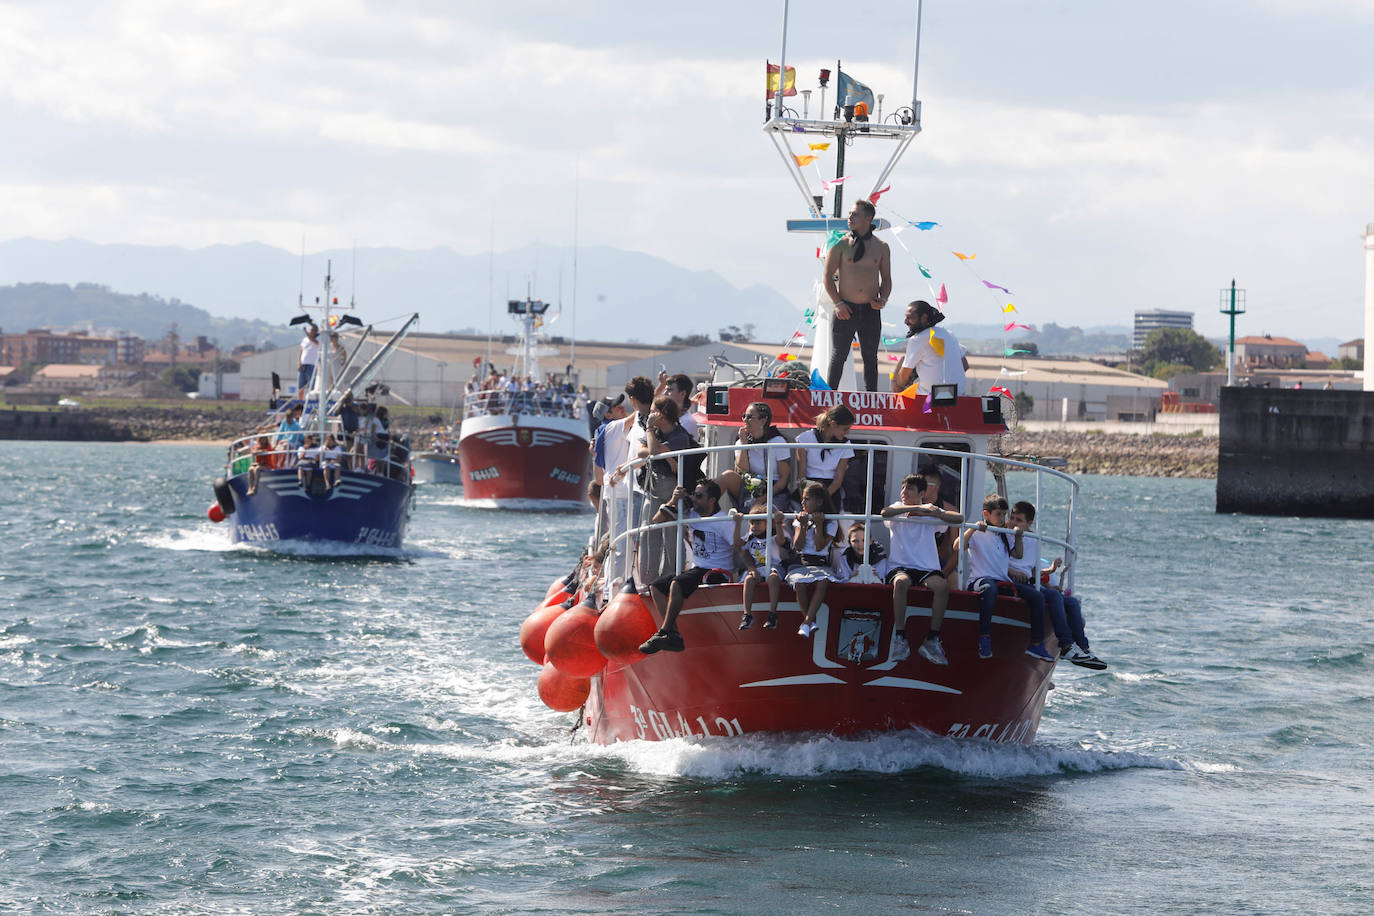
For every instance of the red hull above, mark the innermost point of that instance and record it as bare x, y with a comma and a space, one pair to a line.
512, 459
731, 682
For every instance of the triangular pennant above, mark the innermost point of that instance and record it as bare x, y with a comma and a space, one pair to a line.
965, 257
818, 383
937, 343
925, 273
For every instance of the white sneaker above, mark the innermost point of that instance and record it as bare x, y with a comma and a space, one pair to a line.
901, 649
1085, 659
806, 630
933, 652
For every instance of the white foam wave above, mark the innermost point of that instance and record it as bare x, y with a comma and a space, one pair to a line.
525, 505
200, 538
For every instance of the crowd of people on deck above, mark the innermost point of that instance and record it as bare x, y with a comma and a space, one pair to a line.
812, 479
500, 393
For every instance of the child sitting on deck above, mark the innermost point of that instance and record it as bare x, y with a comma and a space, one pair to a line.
813, 535
847, 566
915, 560
307, 460
990, 556
760, 559
330, 458
1066, 612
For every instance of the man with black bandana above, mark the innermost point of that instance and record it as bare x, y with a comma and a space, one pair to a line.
858, 279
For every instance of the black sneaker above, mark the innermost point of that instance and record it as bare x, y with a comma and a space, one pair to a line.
667, 642
771, 623
746, 621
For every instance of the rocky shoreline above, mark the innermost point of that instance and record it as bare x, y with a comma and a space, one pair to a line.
1086, 452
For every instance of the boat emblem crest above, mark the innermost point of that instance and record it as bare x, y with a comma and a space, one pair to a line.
858, 637
524, 435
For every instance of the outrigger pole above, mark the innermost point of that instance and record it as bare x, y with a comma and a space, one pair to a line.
903, 128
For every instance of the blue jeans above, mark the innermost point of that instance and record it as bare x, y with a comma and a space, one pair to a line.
1066, 612
303, 378
987, 600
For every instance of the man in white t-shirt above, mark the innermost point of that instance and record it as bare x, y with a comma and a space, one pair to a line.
309, 359
711, 540
932, 353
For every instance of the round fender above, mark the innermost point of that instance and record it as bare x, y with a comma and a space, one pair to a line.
570, 643
623, 626
562, 692
224, 495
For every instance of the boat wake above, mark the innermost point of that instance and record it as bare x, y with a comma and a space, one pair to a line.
520, 505
890, 753
215, 541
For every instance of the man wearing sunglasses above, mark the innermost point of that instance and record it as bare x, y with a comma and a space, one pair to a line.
711, 542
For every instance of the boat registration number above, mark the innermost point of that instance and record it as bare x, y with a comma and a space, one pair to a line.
266, 532
664, 728
376, 537
992, 731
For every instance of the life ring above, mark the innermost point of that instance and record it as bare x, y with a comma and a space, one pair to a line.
224, 495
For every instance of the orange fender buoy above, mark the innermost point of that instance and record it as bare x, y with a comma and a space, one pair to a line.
623, 626
558, 586
570, 643
533, 630
215, 513
562, 692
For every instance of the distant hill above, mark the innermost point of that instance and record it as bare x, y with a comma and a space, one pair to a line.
622, 295
31, 305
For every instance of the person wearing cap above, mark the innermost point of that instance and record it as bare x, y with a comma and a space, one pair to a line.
933, 353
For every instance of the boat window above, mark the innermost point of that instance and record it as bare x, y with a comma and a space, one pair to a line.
857, 471
948, 467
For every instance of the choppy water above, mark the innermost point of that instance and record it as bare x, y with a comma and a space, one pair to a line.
186, 727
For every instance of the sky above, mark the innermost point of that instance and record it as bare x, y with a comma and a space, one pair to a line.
1097, 157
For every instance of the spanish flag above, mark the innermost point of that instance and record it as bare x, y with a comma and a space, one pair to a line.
789, 83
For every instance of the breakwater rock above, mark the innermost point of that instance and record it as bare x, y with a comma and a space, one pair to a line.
1154, 455
123, 424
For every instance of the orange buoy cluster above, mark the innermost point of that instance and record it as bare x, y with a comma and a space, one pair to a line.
573, 641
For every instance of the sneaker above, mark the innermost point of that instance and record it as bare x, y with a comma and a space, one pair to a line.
985, 647
806, 630
746, 621
1086, 659
901, 649
1064, 646
933, 652
772, 622
1038, 651
668, 642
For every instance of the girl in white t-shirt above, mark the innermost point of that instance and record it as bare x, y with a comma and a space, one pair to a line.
760, 558
813, 536
827, 453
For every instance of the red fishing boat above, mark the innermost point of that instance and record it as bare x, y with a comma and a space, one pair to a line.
850, 674
523, 444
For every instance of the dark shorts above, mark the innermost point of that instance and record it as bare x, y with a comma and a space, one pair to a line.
917, 576
689, 579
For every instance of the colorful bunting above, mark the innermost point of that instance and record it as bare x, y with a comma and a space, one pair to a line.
1016, 324
943, 298
998, 389
937, 343
995, 286
873, 198
1014, 374
965, 257
923, 226
818, 383
832, 183
893, 341
820, 146
924, 272
1011, 351
909, 391
787, 357
1008, 308
805, 160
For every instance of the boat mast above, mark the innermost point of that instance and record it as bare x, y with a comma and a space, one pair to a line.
324, 381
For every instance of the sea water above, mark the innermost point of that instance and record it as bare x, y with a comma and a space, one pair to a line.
188, 726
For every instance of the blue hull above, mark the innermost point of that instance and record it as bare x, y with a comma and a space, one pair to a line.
363, 509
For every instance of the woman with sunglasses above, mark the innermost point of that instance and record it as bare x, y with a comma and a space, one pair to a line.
766, 464
827, 454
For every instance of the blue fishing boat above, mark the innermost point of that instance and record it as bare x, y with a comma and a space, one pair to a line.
323, 466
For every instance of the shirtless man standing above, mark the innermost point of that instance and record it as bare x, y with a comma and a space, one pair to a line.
858, 279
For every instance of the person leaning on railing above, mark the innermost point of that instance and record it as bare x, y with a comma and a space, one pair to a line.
765, 464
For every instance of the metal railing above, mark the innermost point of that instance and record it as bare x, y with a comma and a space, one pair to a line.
243, 453
626, 540
528, 403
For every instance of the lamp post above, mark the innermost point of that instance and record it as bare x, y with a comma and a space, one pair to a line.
1233, 304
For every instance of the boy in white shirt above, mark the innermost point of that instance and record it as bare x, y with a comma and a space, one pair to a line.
990, 556
913, 559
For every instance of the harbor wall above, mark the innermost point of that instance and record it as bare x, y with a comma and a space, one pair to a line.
1296, 452
62, 426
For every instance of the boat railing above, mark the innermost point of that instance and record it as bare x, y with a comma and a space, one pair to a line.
282, 453
627, 538
496, 402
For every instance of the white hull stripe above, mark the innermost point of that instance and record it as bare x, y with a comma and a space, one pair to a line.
910, 684
795, 680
